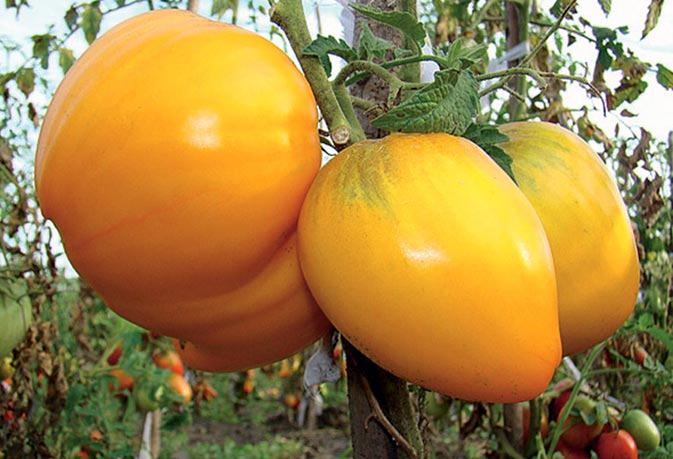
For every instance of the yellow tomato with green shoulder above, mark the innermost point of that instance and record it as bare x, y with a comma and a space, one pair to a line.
425, 255
174, 159
588, 227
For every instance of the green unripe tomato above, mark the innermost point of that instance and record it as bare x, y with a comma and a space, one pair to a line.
642, 428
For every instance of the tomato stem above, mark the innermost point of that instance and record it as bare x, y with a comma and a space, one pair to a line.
289, 16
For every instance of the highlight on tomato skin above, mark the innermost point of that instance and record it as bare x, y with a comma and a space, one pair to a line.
175, 180
444, 268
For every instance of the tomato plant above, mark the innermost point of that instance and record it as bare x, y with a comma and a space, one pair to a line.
178, 204
445, 272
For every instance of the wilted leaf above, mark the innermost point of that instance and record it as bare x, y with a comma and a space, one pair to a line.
664, 76
402, 21
448, 104
71, 17
41, 47
25, 80
65, 59
322, 47
652, 18
91, 18
220, 7
32, 114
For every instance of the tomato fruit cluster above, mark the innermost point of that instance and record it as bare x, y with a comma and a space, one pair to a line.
174, 159
610, 438
180, 161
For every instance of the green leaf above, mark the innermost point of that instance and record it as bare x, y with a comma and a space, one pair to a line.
75, 394
461, 58
606, 6
25, 80
91, 18
662, 335
402, 21
608, 46
41, 48
71, 17
448, 104
322, 47
664, 76
487, 137
372, 46
65, 59
220, 7
653, 13
120, 3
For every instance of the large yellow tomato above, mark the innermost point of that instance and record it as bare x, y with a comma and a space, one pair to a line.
426, 256
587, 225
174, 159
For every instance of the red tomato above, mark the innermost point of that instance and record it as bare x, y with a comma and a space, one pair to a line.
114, 356
291, 401
170, 360
124, 381
181, 387
616, 445
578, 434
570, 452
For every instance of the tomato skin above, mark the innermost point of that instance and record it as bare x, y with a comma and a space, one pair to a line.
571, 453
588, 227
424, 254
616, 445
174, 159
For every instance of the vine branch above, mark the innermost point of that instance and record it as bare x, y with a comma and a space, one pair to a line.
289, 16
377, 413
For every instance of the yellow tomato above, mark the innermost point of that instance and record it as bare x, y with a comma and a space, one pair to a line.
587, 225
426, 256
174, 159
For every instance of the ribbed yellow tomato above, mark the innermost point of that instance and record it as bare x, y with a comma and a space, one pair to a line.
174, 159
426, 256
587, 225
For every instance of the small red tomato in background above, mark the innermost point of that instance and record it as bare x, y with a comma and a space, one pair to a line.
169, 360
124, 381
181, 387
616, 445
291, 401
114, 356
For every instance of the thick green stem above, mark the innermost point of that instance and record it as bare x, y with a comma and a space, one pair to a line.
412, 72
289, 16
